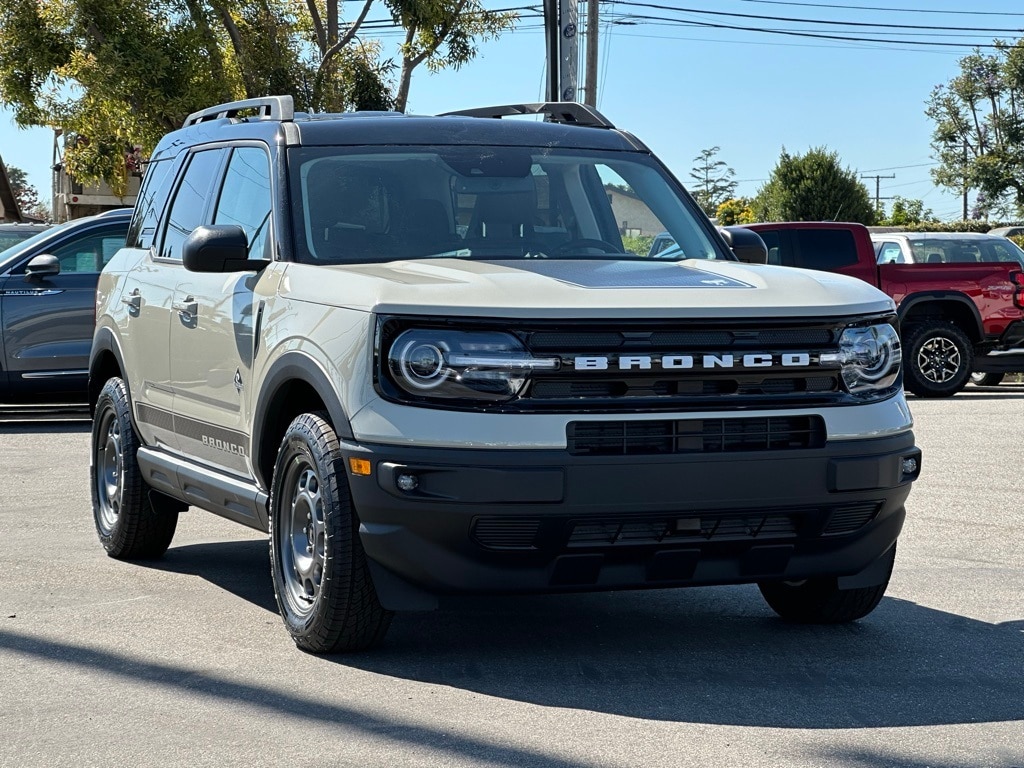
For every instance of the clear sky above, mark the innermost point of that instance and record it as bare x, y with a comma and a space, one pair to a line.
685, 75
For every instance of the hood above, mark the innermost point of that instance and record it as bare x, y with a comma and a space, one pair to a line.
583, 288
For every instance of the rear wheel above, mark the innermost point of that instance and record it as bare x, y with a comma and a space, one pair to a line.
987, 379
938, 358
128, 525
821, 601
321, 577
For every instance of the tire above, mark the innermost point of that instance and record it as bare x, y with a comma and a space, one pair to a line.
987, 379
321, 578
128, 525
937, 359
821, 601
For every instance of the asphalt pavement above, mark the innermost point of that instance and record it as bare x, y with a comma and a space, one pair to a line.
185, 662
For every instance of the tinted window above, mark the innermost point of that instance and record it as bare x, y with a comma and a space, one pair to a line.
825, 249
245, 197
773, 242
150, 203
190, 200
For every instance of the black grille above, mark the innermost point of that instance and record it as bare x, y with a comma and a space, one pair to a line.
849, 519
506, 532
663, 436
627, 532
561, 532
674, 340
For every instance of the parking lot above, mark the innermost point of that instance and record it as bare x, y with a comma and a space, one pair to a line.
184, 661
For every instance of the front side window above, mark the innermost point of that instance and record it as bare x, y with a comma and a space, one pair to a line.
488, 203
190, 201
245, 197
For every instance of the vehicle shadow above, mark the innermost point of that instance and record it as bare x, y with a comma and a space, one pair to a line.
713, 655
47, 427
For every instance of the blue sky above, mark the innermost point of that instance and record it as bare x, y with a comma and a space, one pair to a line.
683, 88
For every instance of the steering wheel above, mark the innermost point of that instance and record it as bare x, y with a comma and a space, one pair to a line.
587, 242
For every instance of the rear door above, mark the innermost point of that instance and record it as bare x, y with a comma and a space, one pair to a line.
48, 321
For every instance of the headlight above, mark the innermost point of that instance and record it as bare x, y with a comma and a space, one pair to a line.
869, 358
462, 365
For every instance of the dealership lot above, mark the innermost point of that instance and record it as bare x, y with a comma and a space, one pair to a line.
184, 661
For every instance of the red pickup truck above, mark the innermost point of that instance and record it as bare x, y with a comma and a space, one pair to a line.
956, 316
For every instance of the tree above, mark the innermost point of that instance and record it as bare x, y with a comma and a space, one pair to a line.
27, 195
737, 210
906, 211
121, 73
713, 183
813, 187
979, 126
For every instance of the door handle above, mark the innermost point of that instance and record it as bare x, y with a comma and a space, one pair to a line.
133, 300
188, 308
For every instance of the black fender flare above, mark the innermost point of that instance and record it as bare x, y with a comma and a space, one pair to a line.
925, 297
295, 366
104, 340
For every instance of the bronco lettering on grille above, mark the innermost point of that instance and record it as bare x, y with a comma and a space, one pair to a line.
684, 362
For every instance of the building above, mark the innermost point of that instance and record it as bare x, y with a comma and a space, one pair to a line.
8, 202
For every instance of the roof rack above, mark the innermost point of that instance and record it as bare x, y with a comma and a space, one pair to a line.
566, 112
267, 108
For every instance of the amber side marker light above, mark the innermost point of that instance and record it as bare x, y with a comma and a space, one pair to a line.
359, 466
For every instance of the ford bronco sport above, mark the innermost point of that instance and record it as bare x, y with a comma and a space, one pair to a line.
415, 352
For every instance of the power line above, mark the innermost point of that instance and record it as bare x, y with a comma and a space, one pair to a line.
822, 21
874, 8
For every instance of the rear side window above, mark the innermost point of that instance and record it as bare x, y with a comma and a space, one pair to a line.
825, 249
150, 202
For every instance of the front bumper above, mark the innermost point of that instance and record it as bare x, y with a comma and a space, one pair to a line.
499, 521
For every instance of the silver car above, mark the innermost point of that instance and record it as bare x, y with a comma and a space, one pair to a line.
943, 248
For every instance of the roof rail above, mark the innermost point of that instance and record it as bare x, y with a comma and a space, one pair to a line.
268, 108
566, 112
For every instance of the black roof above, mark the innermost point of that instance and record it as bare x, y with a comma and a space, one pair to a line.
390, 128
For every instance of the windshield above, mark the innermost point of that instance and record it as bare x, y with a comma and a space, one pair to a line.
370, 204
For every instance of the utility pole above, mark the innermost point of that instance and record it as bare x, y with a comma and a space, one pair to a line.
560, 27
593, 23
878, 188
568, 63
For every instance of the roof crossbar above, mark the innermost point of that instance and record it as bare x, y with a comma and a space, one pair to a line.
566, 112
267, 108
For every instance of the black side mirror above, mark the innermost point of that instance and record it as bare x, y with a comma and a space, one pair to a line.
43, 265
218, 248
746, 244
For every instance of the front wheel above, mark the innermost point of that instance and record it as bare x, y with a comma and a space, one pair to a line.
128, 525
987, 379
938, 358
321, 578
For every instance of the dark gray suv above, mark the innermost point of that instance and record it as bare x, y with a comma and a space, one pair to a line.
48, 305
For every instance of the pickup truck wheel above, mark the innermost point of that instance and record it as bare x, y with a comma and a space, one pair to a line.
321, 579
128, 525
938, 358
987, 379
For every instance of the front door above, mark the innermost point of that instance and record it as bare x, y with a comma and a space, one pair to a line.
211, 344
